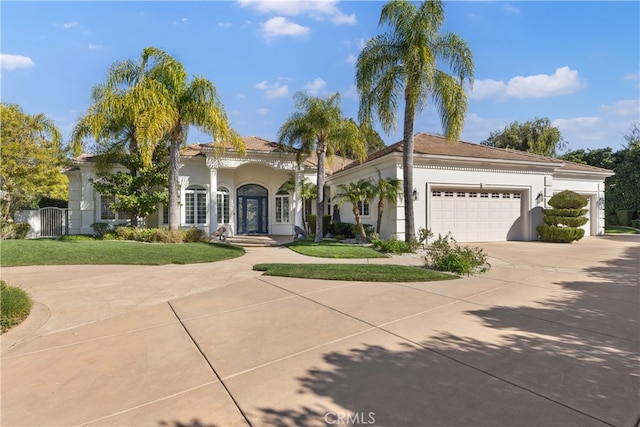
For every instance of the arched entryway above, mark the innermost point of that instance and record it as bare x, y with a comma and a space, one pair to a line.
252, 207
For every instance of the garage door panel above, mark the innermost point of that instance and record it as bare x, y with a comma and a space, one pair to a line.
473, 216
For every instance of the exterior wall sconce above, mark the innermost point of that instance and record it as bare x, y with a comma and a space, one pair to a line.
415, 194
539, 197
600, 202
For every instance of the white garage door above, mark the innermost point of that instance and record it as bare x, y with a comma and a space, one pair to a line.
475, 216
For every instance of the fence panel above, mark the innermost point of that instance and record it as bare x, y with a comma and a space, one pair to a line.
54, 222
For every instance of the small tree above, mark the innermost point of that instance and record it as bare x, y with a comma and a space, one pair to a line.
355, 193
561, 224
139, 194
306, 191
387, 190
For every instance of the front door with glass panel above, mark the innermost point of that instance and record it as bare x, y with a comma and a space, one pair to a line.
252, 208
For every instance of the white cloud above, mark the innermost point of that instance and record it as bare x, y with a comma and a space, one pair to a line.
319, 10
313, 88
274, 90
632, 76
225, 24
12, 62
68, 25
351, 93
279, 26
509, 9
575, 124
262, 111
351, 59
94, 46
627, 107
563, 81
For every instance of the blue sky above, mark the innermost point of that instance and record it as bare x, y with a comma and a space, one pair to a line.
576, 63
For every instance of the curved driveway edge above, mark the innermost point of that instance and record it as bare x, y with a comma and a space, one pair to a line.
550, 336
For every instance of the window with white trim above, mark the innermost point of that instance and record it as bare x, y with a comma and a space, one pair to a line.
195, 205
283, 210
223, 206
363, 207
106, 213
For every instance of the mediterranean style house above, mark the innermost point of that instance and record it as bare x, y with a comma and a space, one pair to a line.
477, 193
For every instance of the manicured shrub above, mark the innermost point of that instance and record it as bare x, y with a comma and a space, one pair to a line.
550, 233
326, 223
342, 228
194, 235
312, 224
393, 246
561, 223
163, 235
444, 254
15, 306
100, 228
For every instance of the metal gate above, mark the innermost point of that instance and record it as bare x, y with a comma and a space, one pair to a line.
54, 222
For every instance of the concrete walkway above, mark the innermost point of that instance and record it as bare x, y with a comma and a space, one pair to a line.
550, 336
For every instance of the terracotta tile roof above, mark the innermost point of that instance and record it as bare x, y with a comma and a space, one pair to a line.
433, 145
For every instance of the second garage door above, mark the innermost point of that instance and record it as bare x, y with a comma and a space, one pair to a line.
475, 216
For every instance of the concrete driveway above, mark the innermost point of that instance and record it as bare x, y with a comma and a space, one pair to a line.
549, 337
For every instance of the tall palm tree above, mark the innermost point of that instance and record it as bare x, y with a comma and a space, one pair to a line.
319, 125
403, 64
357, 193
157, 104
387, 190
306, 191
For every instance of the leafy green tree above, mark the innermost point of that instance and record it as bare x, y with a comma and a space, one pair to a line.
162, 104
32, 158
137, 194
405, 64
320, 126
387, 190
537, 136
356, 193
622, 190
600, 157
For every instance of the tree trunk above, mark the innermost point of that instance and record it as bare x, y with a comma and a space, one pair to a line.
380, 210
356, 213
407, 169
321, 152
174, 191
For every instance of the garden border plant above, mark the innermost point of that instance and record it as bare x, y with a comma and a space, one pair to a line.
15, 306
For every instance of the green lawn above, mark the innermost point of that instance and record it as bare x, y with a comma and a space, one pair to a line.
89, 251
354, 272
330, 249
15, 306
618, 229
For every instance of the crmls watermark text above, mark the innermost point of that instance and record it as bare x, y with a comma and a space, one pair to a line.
338, 418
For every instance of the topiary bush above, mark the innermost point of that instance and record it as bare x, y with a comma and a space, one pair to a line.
561, 224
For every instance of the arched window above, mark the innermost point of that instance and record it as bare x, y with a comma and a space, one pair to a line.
283, 210
195, 205
223, 206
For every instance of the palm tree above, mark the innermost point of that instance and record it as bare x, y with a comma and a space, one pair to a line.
306, 191
387, 190
154, 100
403, 64
319, 125
357, 193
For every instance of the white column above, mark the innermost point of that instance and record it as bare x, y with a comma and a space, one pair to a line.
213, 200
298, 202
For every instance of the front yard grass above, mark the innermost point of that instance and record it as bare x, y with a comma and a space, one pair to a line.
354, 272
90, 251
15, 306
619, 229
330, 249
